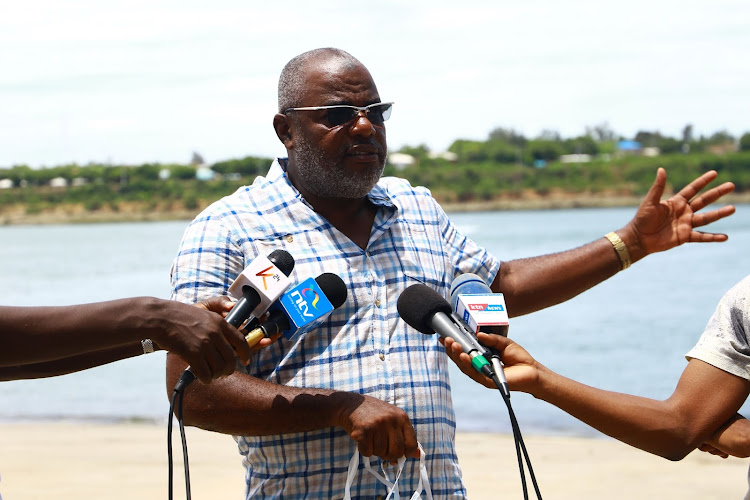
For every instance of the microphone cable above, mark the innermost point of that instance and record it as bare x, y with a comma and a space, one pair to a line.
521, 452
176, 400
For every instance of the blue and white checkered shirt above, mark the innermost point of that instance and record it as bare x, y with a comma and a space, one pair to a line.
363, 347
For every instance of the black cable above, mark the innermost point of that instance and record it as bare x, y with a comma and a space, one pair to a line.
520, 446
177, 396
169, 443
184, 446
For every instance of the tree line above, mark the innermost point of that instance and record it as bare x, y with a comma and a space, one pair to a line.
506, 164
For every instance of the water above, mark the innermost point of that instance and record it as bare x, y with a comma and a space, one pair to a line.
628, 334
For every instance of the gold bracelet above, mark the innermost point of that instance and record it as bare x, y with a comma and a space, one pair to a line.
620, 248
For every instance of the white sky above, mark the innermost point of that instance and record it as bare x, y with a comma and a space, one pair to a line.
152, 81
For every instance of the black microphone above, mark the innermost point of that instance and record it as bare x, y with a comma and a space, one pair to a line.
303, 306
257, 287
426, 311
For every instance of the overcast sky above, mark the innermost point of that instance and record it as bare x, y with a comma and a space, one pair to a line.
136, 81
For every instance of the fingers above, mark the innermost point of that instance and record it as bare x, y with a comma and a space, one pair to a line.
265, 342
697, 185
712, 216
713, 451
498, 342
382, 430
221, 304
710, 196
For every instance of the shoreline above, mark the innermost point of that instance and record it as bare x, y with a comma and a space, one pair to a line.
68, 460
554, 201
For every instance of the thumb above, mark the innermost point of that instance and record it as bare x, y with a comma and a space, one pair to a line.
657, 188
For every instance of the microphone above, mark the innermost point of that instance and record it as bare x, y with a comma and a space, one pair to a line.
259, 285
304, 306
426, 311
256, 288
478, 306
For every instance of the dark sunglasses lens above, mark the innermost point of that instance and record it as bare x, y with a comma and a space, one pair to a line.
340, 116
380, 113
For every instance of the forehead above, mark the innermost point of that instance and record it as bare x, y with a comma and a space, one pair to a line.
335, 81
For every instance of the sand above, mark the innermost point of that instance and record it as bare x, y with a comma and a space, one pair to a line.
67, 461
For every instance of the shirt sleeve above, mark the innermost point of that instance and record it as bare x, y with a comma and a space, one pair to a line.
465, 254
724, 343
207, 262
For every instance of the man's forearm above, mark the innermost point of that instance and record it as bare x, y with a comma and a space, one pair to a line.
70, 364
244, 405
46, 333
535, 283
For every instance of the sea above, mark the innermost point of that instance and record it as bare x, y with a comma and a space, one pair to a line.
628, 334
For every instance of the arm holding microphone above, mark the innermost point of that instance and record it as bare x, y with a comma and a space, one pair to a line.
704, 399
49, 341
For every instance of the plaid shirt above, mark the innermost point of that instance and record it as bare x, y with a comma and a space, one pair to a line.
363, 346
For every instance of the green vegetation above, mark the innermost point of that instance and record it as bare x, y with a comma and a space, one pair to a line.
505, 166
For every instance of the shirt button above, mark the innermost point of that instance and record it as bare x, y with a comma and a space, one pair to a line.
381, 356
377, 302
289, 238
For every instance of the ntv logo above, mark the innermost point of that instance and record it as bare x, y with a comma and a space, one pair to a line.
301, 300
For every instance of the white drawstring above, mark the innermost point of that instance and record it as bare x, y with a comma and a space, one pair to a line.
424, 482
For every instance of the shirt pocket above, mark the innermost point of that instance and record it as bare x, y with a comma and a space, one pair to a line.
422, 256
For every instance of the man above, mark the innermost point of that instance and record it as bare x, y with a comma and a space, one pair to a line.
48, 341
702, 409
364, 374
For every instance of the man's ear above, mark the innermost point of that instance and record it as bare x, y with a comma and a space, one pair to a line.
283, 130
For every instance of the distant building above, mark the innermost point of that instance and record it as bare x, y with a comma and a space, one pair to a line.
58, 182
165, 174
401, 160
445, 155
721, 149
204, 174
575, 158
633, 147
650, 151
6, 183
79, 181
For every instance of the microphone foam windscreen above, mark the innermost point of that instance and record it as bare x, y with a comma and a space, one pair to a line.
334, 288
418, 304
283, 260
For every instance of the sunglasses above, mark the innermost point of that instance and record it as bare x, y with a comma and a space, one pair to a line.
341, 114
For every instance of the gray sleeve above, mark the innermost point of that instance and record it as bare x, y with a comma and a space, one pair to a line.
724, 342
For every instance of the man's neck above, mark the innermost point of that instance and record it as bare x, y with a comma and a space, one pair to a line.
353, 217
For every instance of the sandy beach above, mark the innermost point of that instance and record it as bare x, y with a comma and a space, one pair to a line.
69, 461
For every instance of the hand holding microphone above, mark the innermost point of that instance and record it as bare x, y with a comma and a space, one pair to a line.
256, 288
426, 311
480, 308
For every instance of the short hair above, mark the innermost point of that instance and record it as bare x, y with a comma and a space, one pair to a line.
292, 81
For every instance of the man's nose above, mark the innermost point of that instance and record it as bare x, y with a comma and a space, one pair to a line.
362, 125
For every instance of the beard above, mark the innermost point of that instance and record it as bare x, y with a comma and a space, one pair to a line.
330, 179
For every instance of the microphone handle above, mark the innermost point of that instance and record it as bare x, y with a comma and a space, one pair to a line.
242, 309
445, 326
